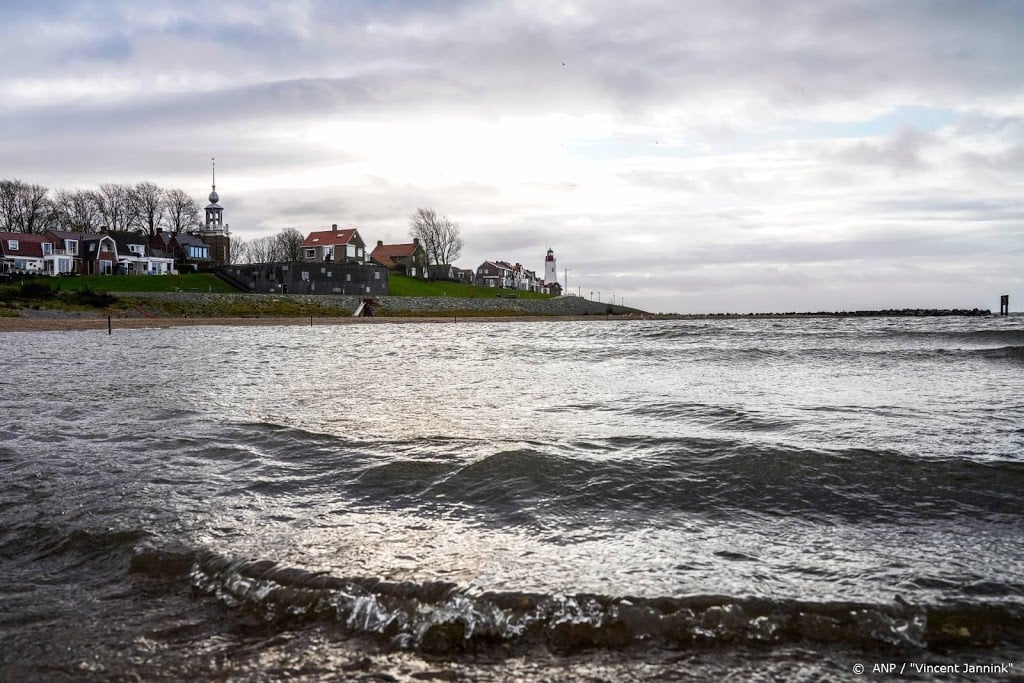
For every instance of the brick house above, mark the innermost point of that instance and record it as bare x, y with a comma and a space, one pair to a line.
408, 259
335, 246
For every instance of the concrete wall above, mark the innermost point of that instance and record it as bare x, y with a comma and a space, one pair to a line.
309, 277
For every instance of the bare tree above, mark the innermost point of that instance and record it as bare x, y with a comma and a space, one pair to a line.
240, 252
116, 208
24, 207
439, 235
76, 210
289, 244
182, 211
9, 192
263, 250
149, 206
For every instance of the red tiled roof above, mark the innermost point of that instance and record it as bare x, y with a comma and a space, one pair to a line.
329, 237
385, 254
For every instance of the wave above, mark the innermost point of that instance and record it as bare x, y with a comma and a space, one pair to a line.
439, 617
1011, 353
707, 476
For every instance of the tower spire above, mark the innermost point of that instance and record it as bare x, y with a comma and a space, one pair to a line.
213, 169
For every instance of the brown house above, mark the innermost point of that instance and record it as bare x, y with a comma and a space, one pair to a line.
408, 259
335, 246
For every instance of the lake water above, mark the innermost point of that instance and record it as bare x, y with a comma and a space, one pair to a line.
606, 500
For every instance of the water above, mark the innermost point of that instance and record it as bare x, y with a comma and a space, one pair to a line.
602, 500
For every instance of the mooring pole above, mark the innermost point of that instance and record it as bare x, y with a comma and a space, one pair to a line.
109, 326
1004, 304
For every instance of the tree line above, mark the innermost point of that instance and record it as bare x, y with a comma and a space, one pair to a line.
142, 207
145, 207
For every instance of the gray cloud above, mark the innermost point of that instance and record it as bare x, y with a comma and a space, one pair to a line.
715, 152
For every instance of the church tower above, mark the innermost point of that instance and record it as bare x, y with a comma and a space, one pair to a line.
215, 232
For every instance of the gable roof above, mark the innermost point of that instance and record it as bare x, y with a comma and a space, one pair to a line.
327, 238
385, 254
184, 238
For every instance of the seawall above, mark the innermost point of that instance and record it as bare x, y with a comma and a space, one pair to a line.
406, 305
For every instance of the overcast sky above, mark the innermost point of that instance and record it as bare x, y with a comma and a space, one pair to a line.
684, 156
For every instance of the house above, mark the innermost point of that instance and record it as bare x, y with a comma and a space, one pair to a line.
525, 280
24, 253
75, 252
494, 274
134, 257
98, 254
408, 259
187, 251
67, 243
445, 271
334, 246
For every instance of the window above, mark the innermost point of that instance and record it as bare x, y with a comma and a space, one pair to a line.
348, 277
12, 245
72, 246
47, 248
137, 249
310, 254
305, 276
376, 276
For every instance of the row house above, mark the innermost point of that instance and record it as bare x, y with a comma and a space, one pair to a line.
59, 252
507, 276
494, 274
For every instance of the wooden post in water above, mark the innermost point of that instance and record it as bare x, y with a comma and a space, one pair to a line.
1004, 304
109, 326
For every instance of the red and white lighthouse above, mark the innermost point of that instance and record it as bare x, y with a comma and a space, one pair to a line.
550, 269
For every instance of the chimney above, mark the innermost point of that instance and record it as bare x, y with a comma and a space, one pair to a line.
416, 241
380, 243
334, 227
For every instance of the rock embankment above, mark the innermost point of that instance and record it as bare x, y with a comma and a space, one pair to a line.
403, 305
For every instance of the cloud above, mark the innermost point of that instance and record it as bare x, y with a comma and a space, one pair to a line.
695, 155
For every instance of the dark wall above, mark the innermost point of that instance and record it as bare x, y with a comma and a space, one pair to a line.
309, 278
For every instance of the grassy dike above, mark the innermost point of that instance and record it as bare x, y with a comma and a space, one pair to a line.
202, 295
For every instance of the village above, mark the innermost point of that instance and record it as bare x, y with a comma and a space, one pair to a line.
332, 261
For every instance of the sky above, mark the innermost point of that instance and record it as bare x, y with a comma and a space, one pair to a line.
684, 156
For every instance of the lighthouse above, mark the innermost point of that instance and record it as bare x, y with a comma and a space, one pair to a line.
550, 269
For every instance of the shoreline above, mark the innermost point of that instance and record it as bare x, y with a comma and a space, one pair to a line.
53, 321
72, 323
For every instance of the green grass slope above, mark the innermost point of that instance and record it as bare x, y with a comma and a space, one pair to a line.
400, 285
189, 282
